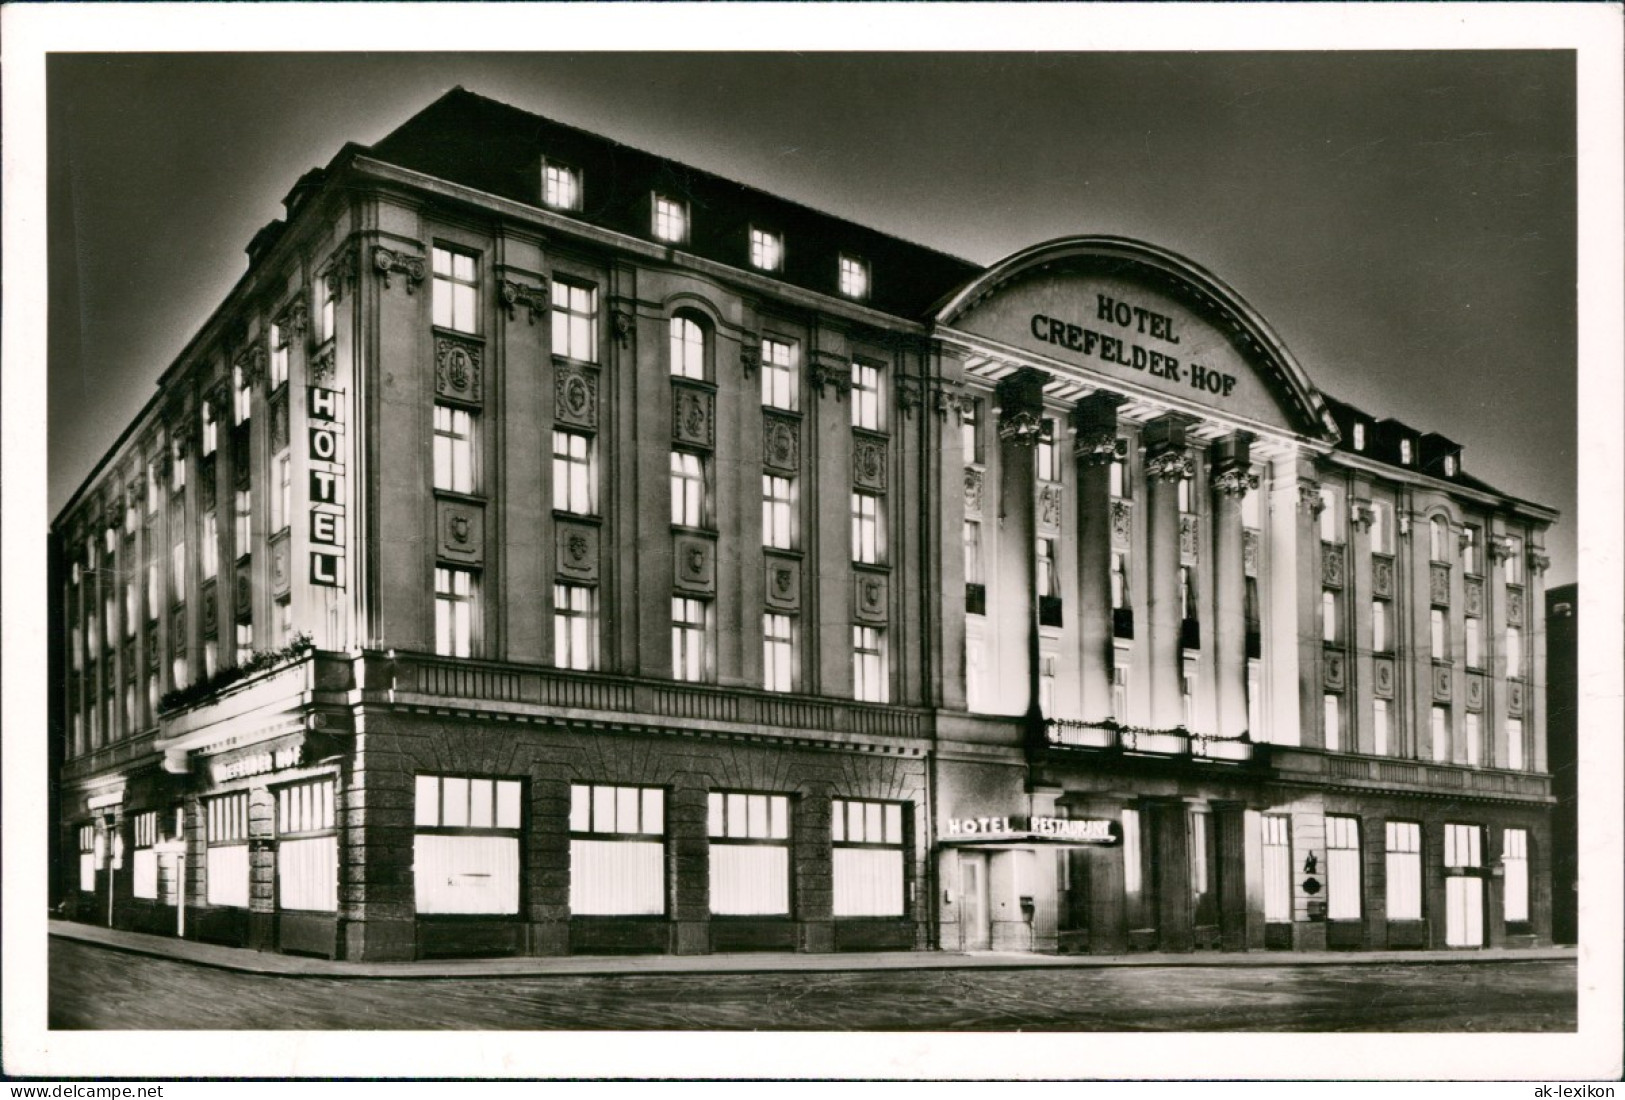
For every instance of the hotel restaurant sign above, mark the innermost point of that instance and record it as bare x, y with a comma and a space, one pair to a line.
1035, 829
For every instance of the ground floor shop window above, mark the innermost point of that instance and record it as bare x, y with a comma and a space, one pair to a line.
466, 848
227, 866
1515, 858
1404, 866
617, 851
307, 847
750, 854
1204, 857
1342, 868
868, 858
1463, 886
1277, 868
144, 863
87, 858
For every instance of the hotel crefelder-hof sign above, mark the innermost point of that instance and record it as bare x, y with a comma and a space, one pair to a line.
326, 531
1129, 330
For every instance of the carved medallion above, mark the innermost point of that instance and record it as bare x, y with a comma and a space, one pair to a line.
458, 371
1382, 577
871, 593
783, 584
1439, 584
244, 602
576, 550
209, 604
1441, 683
1122, 520
280, 572
575, 395
869, 463
1049, 505
1383, 667
462, 531
694, 562
1514, 608
1473, 596
1334, 670
781, 443
691, 415
1475, 691
1188, 539
1514, 697
973, 492
1331, 565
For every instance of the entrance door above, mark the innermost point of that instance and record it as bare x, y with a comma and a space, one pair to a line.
975, 929
1464, 911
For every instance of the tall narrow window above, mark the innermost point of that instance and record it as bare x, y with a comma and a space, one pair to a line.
854, 277
867, 407
1472, 542
778, 374
1470, 733
1049, 459
1382, 527
868, 664
1328, 616
152, 589
87, 858
1404, 866
561, 187
1255, 701
1514, 648
575, 627
1406, 454
245, 641
177, 466
1437, 636
1515, 755
1049, 583
867, 535
1358, 436
1277, 830
453, 449
750, 853
1330, 529
453, 612
1119, 571
243, 518
282, 496
226, 866
1046, 683
1439, 539
209, 550
307, 851
972, 536
687, 489
456, 290
778, 653
670, 219
177, 586
575, 321
868, 850
1463, 846
687, 348
465, 846
326, 310
1439, 726
209, 438
690, 629
1332, 706
1379, 626
279, 357
778, 512
1515, 861
1379, 726
1513, 567
144, 869
617, 850
766, 250
1342, 868
242, 396
970, 429
1475, 658
574, 483
1120, 671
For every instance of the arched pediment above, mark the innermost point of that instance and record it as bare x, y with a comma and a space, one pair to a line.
1122, 309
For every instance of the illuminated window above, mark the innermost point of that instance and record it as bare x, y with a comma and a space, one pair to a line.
1046, 683
1049, 582
778, 653
307, 851
867, 409
177, 587
1277, 829
854, 277
575, 321
1472, 539
279, 357
1330, 529
1475, 658
1470, 733
242, 396
1405, 452
1049, 459
868, 852
1379, 726
561, 187
1514, 648
1437, 635
617, 850
973, 552
687, 348
144, 869
1439, 539
1117, 472
1119, 569
210, 437
1515, 754
454, 606
227, 859
1382, 527
1515, 862
1328, 616
778, 511
574, 486
243, 523
867, 534
1404, 865
453, 449
749, 853
465, 845
456, 290
245, 641
282, 498
1343, 894
687, 489
1513, 567
209, 551
778, 374
970, 429
1379, 626
766, 250
1333, 709
690, 638
670, 219
869, 664
1439, 726
326, 311
1359, 436
575, 626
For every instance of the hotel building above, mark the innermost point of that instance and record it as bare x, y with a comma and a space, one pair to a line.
549, 547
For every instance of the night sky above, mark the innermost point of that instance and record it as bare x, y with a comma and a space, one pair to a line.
1405, 221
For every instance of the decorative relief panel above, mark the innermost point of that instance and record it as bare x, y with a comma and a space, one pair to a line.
870, 596
281, 566
1334, 669
1249, 552
177, 631
1382, 576
1049, 506
694, 565
244, 603
1188, 539
1439, 584
324, 366
1473, 594
1331, 565
210, 605
1475, 691
783, 591
1514, 607
693, 415
781, 442
1122, 521
1441, 683
974, 479
458, 370
279, 422
152, 646
461, 531
868, 462
1514, 697
576, 550
1383, 667
575, 396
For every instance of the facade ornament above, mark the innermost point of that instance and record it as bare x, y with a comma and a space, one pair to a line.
829, 374
910, 394
1097, 446
1500, 548
251, 362
1362, 515
532, 298
1234, 482
386, 261
750, 354
945, 397
324, 366
1021, 428
1309, 498
340, 273
218, 398
181, 433
1538, 562
1169, 466
621, 322
294, 320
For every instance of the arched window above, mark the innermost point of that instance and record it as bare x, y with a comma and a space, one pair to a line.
687, 348
1438, 538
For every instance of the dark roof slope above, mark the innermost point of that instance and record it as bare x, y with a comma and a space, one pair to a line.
494, 147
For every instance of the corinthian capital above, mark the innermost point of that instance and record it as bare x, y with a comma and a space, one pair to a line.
1169, 466
1309, 498
1021, 428
1097, 446
1234, 482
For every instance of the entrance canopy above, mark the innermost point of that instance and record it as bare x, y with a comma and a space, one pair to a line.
1121, 314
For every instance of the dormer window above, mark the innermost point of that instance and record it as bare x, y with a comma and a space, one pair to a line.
561, 187
766, 250
1359, 436
854, 277
1449, 465
670, 220
1405, 452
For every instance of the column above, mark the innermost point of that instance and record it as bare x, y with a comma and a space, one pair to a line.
1173, 870
1241, 886
1166, 464
1534, 694
1095, 419
1021, 404
1231, 479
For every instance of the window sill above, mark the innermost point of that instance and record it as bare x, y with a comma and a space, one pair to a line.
578, 517
453, 494
685, 529
457, 333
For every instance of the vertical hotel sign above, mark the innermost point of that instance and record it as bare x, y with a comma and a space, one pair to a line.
326, 486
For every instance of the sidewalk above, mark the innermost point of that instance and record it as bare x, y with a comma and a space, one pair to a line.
294, 966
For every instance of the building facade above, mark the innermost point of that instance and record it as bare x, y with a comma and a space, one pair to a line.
548, 547
1563, 756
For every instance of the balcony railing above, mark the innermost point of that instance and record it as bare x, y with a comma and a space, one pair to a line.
1173, 743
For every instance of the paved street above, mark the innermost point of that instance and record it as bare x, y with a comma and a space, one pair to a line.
93, 987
